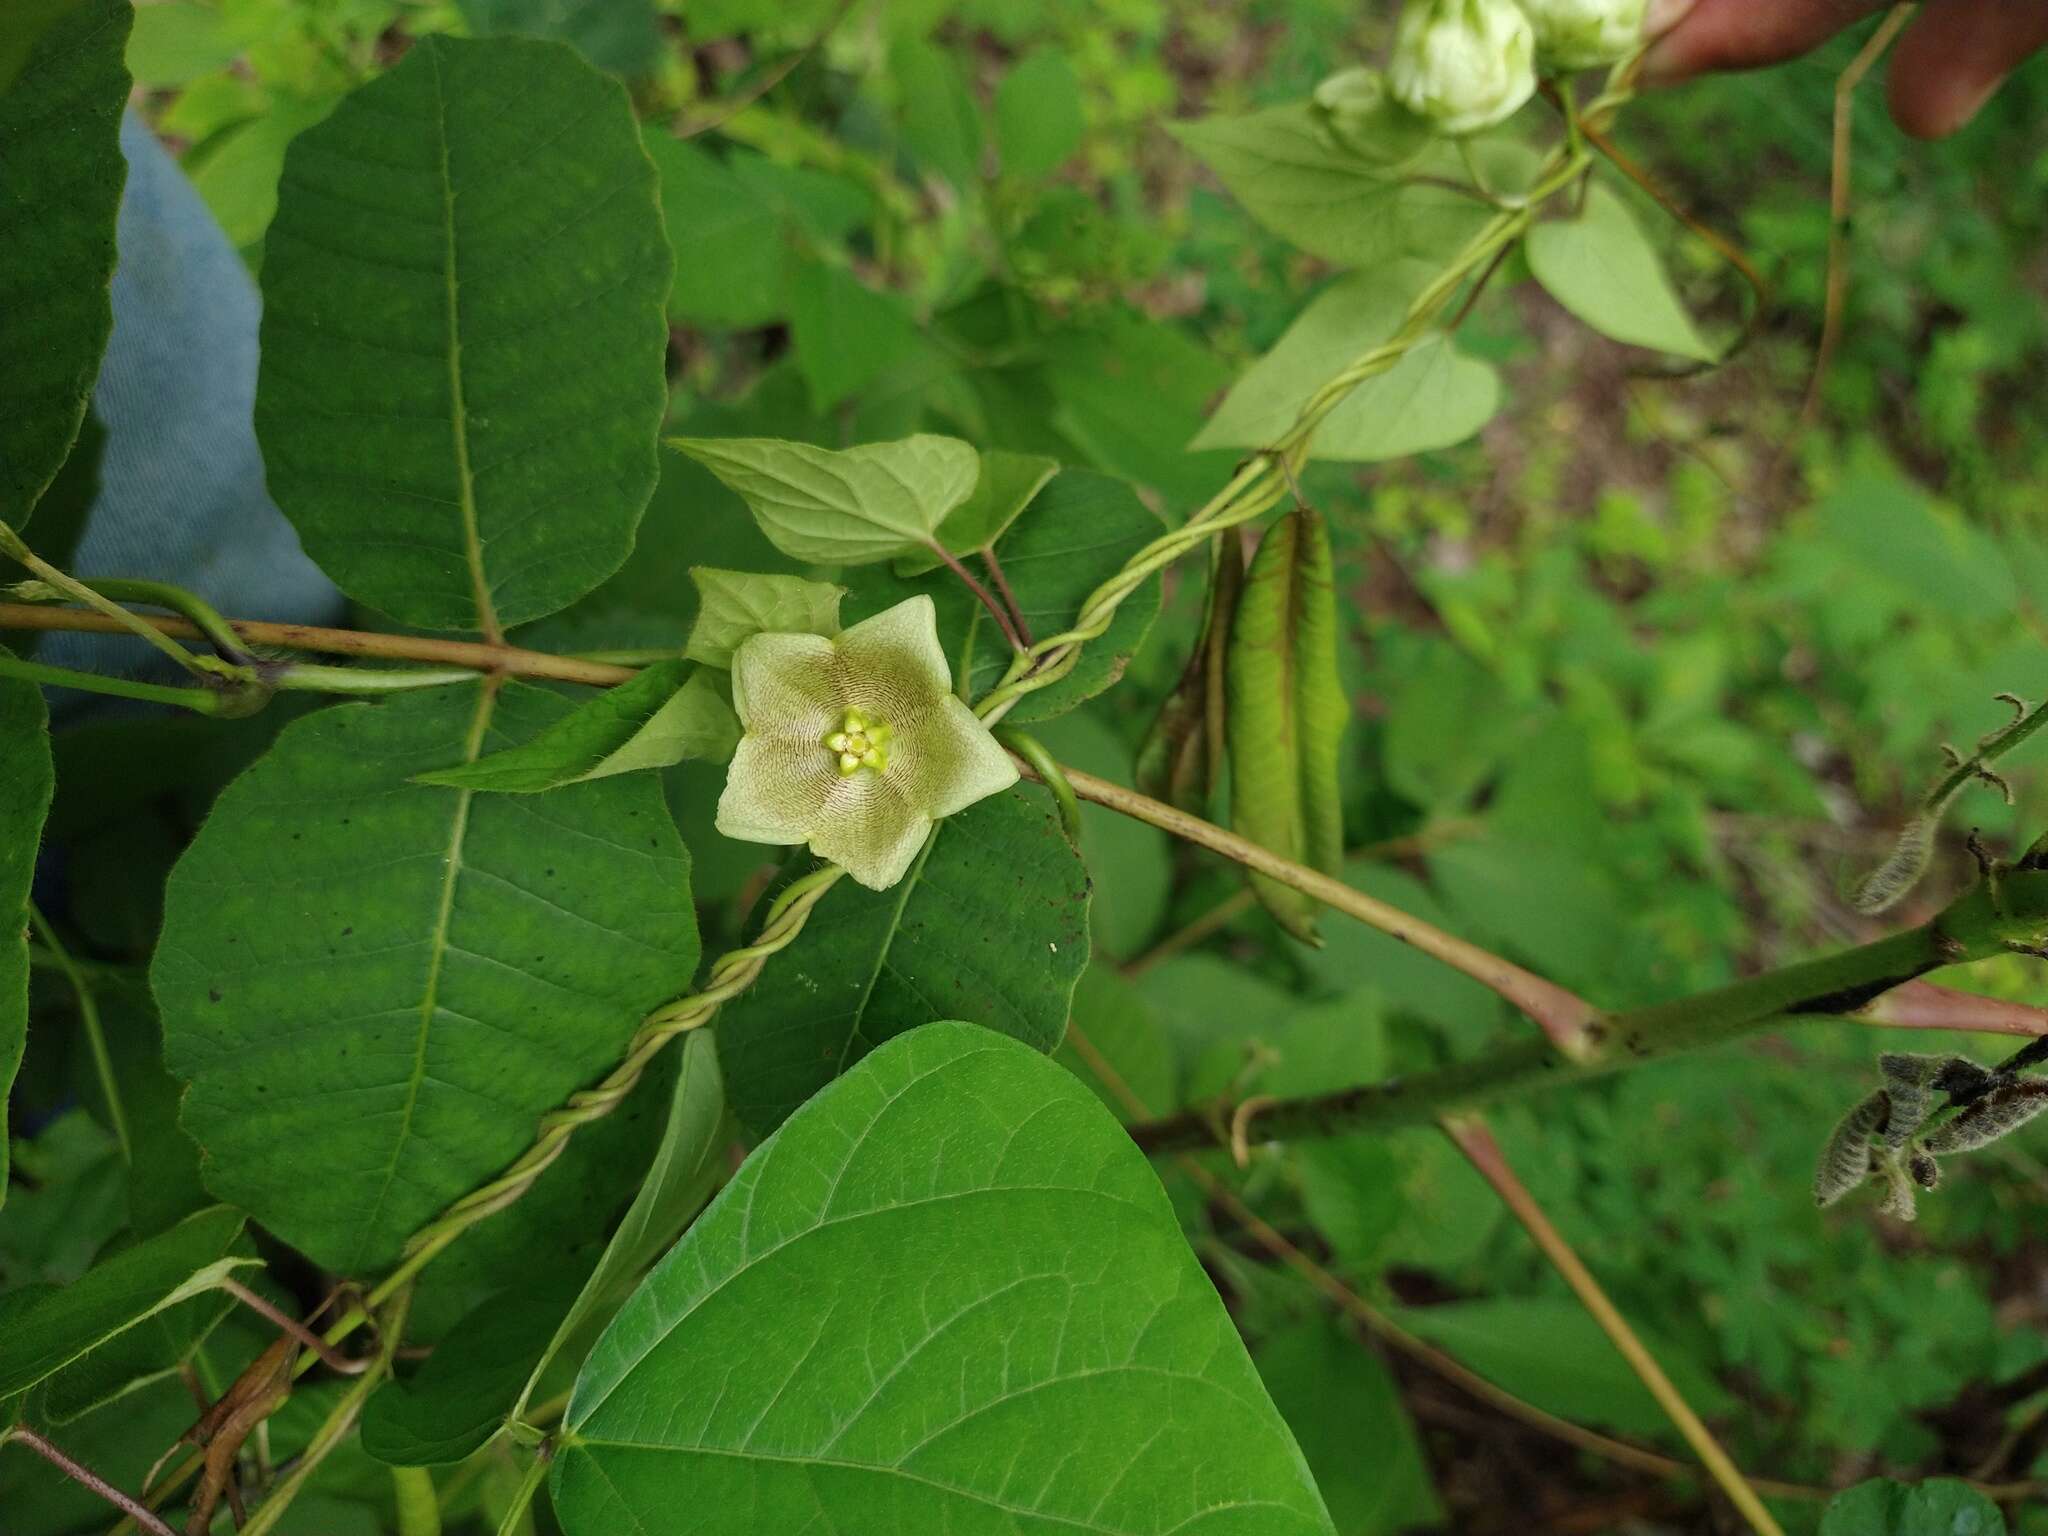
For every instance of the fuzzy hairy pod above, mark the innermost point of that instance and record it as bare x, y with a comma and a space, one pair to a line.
1999, 1113
1913, 1082
1845, 1161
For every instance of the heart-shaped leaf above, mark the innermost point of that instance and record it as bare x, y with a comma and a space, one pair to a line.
1599, 265
843, 506
375, 987
463, 334
986, 1322
1008, 483
1433, 397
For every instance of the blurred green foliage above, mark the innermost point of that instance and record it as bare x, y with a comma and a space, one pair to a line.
1640, 675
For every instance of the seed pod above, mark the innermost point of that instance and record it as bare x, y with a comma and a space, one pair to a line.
1845, 1160
1286, 713
1898, 1200
1998, 1113
1181, 760
1913, 1082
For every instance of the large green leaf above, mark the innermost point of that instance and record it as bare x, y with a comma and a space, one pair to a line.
1433, 397
1344, 1407
666, 714
1300, 184
61, 173
992, 920
24, 802
59, 1325
1073, 536
1599, 265
686, 1166
985, 1322
843, 506
463, 341
1941, 1506
1551, 1352
375, 987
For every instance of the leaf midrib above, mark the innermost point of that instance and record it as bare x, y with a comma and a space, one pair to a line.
437, 953
458, 412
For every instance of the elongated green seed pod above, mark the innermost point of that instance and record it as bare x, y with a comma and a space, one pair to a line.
1181, 760
1287, 712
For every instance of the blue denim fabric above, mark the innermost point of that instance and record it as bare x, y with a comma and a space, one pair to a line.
181, 495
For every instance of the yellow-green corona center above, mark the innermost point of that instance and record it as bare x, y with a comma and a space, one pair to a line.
860, 742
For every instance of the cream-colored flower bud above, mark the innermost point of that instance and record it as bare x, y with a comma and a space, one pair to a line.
1584, 34
1361, 116
1463, 64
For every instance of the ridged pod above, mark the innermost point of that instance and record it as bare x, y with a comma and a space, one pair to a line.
1845, 1160
1287, 712
1182, 758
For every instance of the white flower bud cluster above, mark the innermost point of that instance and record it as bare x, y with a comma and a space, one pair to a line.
1467, 64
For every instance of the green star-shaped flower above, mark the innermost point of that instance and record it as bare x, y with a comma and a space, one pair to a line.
855, 745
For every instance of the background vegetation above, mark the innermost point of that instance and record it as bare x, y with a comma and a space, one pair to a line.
1642, 672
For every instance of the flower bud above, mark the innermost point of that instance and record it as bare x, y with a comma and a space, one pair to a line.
1583, 34
1361, 117
1463, 64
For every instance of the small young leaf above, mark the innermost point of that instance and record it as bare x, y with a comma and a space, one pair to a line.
1008, 483
666, 714
1433, 397
61, 1325
736, 604
61, 164
984, 1318
843, 507
1601, 267
1287, 713
24, 801
873, 964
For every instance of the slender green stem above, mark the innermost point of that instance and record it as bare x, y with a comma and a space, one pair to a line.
419, 1507
202, 701
522, 1496
162, 594
1835, 984
11, 544
89, 1020
1051, 775
317, 678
